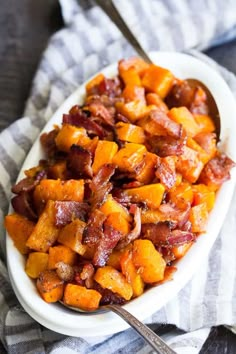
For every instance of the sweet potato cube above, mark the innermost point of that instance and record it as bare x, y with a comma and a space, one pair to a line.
133, 93
138, 64
104, 154
130, 133
112, 279
81, 297
203, 194
199, 217
151, 194
61, 253
151, 216
130, 77
183, 116
129, 271
155, 99
50, 189
45, 232
147, 172
205, 123
50, 286
203, 156
118, 222
189, 164
180, 251
36, 263
111, 206
151, 126
71, 236
182, 191
148, 261
128, 158
58, 170
69, 135
94, 83
158, 80
132, 110
19, 229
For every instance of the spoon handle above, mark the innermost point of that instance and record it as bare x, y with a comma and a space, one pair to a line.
151, 337
110, 9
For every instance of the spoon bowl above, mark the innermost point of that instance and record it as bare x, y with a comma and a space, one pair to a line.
145, 332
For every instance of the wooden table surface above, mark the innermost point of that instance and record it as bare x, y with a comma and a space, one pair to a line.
25, 27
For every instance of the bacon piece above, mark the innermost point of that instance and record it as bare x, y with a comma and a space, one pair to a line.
173, 129
108, 297
79, 162
206, 141
100, 185
216, 171
121, 197
48, 143
166, 172
99, 110
167, 145
94, 230
22, 204
177, 214
110, 87
80, 119
108, 241
87, 275
66, 211
28, 184
162, 236
135, 232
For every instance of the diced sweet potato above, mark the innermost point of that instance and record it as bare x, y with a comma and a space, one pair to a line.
147, 172
58, 170
182, 191
69, 135
112, 279
203, 156
36, 263
81, 297
198, 217
130, 133
151, 216
148, 261
129, 157
203, 194
61, 253
104, 154
132, 110
131, 274
134, 93
183, 116
118, 222
151, 126
71, 236
158, 80
45, 232
205, 123
130, 77
111, 206
151, 194
50, 189
189, 164
93, 83
50, 286
138, 64
19, 229
180, 251
155, 99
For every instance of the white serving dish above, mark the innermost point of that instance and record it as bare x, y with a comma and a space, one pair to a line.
62, 320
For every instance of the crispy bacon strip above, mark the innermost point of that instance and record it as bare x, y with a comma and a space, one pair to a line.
79, 162
178, 215
108, 241
87, 275
99, 110
167, 145
22, 204
173, 129
94, 230
66, 211
217, 170
166, 173
27, 184
135, 232
47, 141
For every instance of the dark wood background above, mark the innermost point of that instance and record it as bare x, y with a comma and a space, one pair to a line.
25, 26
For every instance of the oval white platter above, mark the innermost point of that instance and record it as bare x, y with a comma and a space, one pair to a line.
62, 320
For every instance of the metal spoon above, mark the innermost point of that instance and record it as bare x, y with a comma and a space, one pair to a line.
110, 9
146, 333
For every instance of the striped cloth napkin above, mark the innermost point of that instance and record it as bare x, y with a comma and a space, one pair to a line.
88, 42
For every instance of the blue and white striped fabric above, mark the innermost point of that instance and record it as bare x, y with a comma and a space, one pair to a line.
88, 42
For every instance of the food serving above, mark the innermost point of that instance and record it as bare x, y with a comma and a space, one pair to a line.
124, 190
